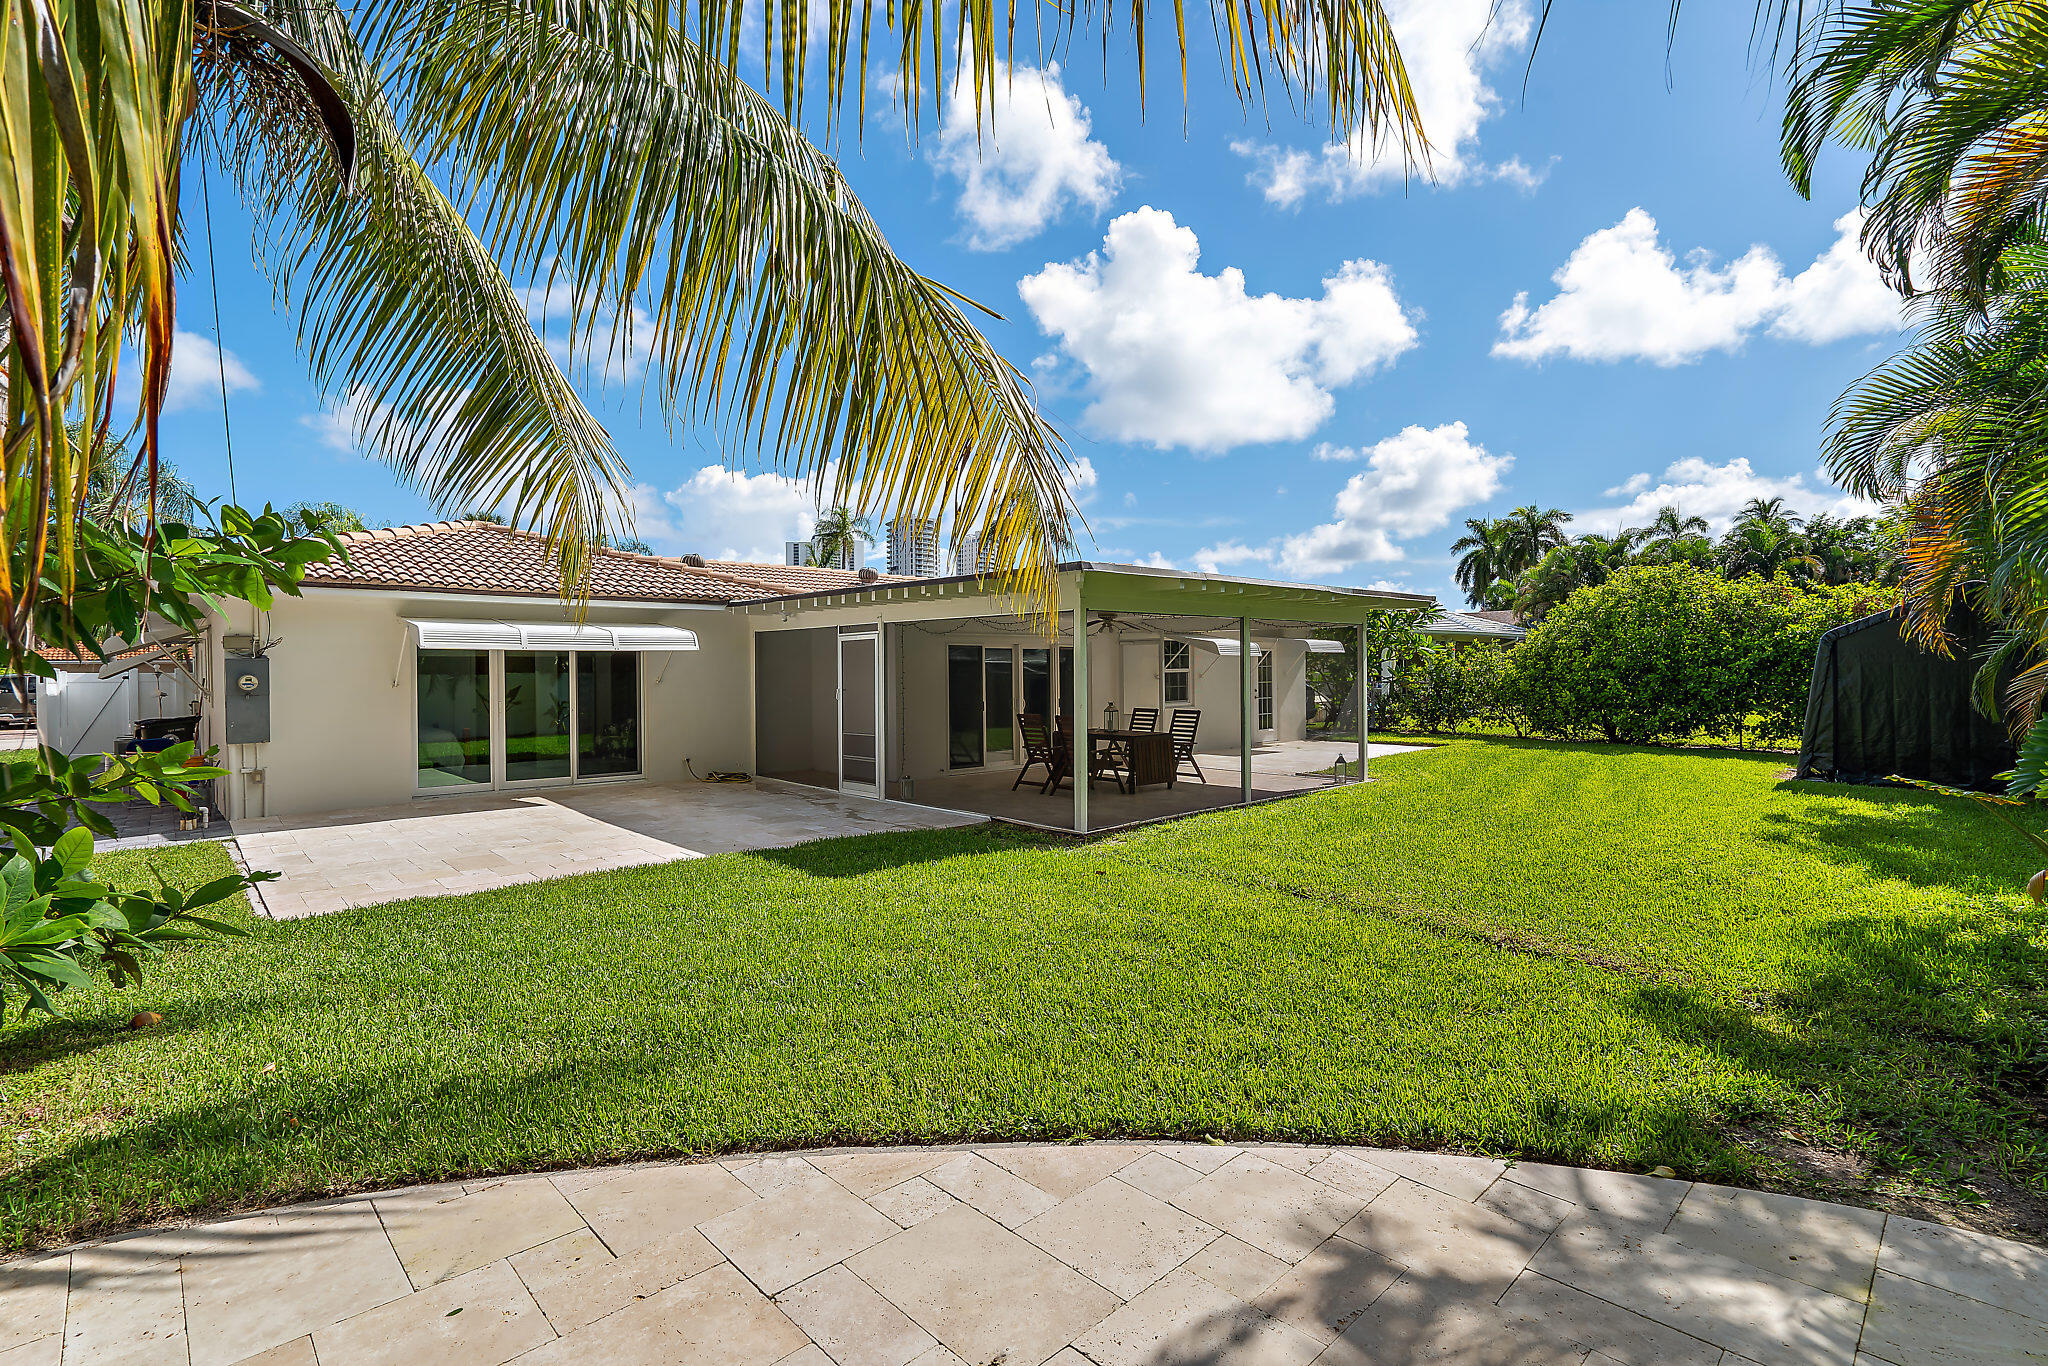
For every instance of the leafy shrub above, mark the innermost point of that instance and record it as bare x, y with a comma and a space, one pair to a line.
1443, 687
1672, 652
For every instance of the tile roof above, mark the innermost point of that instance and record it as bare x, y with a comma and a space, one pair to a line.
76, 659
484, 557
1473, 626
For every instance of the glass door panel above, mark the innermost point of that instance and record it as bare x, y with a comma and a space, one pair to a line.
1066, 680
454, 696
536, 692
860, 696
1038, 683
1262, 689
999, 670
607, 714
963, 706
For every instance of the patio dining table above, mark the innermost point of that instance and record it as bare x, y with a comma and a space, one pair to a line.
1149, 753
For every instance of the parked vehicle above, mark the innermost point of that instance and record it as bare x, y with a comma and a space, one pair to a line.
17, 701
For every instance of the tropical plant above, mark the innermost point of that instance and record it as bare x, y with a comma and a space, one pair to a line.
117, 489
1672, 536
1532, 533
838, 535
1577, 563
632, 545
1766, 539
338, 518
1484, 553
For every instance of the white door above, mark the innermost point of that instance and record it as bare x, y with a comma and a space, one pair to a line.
860, 713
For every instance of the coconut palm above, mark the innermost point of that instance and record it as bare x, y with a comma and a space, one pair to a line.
1485, 552
839, 534
1533, 532
1579, 563
610, 154
1766, 539
1670, 535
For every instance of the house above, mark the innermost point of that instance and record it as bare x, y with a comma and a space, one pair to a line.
438, 659
1462, 628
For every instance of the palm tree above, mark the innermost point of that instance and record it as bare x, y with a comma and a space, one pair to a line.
1532, 533
1671, 535
117, 489
338, 518
1579, 563
1484, 551
1765, 539
610, 152
838, 535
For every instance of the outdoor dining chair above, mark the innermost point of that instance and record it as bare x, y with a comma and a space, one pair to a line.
1038, 746
1185, 724
1144, 718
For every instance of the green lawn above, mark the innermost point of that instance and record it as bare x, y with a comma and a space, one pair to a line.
1599, 955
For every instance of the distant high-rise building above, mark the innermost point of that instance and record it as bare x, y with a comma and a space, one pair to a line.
851, 557
970, 558
914, 547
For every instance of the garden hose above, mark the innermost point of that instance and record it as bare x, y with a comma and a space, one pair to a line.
719, 775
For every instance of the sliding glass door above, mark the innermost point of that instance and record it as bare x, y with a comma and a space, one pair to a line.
964, 718
504, 718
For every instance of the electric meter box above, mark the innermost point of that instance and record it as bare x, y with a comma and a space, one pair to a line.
248, 701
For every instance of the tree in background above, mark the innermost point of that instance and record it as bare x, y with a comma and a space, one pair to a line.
1484, 554
839, 533
632, 545
1673, 537
118, 489
1532, 533
337, 518
1577, 563
1766, 539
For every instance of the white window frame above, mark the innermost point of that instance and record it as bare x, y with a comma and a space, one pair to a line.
1262, 689
1168, 670
499, 782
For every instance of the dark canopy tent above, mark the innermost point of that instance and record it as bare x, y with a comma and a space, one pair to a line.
1881, 705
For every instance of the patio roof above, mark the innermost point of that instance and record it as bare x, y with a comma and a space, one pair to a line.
1100, 587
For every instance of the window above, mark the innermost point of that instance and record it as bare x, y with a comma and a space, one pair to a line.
1262, 689
489, 718
999, 667
1175, 682
1038, 683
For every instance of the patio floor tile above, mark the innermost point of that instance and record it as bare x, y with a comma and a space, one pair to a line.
1279, 1211
1912, 1323
254, 1283
1555, 1310
1009, 1200
1352, 1174
32, 1295
852, 1322
1526, 1205
479, 1318
1440, 1238
913, 1202
577, 1280
1830, 1246
796, 1233
440, 1236
1157, 1174
1118, 1236
1066, 1169
1186, 1319
297, 1352
1772, 1319
981, 1289
1234, 1265
1323, 1292
1646, 1201
1421, 1321
1454, 1174
1996, 1270
630, 1207
127, 1306
869, 1173
715, 1318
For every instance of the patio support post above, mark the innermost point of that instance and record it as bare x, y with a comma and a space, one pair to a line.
1364, 702
1082, 718
1247, 713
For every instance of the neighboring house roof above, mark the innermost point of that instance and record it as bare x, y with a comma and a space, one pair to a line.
1473, 626
792, 578
1504, 618
73, 659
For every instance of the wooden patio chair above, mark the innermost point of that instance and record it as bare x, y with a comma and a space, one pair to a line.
1107, 762
1144, 718
1185, 724
1038, 746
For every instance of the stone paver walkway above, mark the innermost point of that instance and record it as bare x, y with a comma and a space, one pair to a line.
1090, 1255
444, 845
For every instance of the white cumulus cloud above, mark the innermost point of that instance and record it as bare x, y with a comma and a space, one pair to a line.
1622, 295
725, 514
1173, 357
198, 370
1449, 46
1025, 161
1413, 483
1700, 488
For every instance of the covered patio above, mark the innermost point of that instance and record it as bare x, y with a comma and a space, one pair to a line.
957, 693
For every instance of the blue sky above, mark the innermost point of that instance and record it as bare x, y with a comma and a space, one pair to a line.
1271, 356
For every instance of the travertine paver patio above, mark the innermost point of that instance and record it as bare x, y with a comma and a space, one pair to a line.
1086, 1255
439, 846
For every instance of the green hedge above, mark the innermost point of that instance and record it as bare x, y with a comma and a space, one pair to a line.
1656, 653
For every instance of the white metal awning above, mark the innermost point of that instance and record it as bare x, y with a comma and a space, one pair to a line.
1224, 645
546, 635
1325, 647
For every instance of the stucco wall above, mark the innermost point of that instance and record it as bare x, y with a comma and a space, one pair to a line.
342, 697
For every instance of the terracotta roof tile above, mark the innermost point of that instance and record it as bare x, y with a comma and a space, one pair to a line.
483, 557
792, 578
